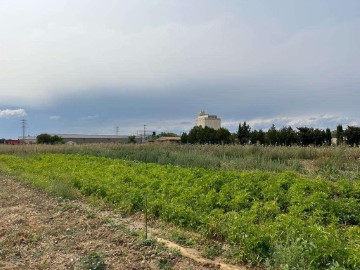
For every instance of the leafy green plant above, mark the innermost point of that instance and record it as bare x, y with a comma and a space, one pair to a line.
212, 251
2, 254
165, 264
180, 238
94, 261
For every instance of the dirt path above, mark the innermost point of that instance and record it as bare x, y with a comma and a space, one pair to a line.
39, 231
191, 253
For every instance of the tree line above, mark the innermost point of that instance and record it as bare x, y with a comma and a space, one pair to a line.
285, 136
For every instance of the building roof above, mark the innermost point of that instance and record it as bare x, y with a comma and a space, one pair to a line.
204, 115
82, 136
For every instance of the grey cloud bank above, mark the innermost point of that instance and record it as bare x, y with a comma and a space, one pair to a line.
135, 62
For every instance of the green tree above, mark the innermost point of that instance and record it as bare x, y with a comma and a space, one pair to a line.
328, 136
272, 136
311, 136
254, 136
339, 134
234, 138
45, 138
194, 135
287, 136
261, 136
306, 136
352, 135
244, 133
257, 137
56, 139
184, 138
208, 135
223, 136
318, 137
131, 139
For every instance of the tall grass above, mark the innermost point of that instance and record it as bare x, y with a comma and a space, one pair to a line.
330, 162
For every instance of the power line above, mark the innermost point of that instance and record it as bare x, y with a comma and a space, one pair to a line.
23, 127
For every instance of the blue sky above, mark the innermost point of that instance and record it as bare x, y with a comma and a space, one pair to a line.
88, 66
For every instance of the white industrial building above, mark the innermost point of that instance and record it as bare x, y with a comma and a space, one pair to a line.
207, 120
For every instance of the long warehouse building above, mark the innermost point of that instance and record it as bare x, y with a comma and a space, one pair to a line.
83, 139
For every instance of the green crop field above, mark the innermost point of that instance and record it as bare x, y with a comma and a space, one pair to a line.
270, 217
329, 162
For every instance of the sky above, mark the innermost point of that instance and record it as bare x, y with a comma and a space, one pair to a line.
88, 66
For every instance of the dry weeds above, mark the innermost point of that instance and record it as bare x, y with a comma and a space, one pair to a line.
39, 231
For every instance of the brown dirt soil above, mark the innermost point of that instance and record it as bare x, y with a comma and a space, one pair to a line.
40, 231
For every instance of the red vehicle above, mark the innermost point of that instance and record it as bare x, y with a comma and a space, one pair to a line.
13, 142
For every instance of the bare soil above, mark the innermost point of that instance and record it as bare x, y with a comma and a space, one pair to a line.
41, 231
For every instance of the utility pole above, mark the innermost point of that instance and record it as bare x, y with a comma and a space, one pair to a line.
23, 127
144, 132
117, 130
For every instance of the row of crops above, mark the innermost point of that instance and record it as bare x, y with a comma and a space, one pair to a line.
277, 220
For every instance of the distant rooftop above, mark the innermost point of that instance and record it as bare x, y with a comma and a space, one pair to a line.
203, 114
83, 136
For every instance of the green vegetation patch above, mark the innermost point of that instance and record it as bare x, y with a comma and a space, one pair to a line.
281, 220
94, 261
329, 162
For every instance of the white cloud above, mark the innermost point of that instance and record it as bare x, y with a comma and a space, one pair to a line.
54, 117
318, 121
89, 117
12, 113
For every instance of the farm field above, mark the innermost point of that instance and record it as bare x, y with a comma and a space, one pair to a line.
41, 231
329, 162
298, 209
